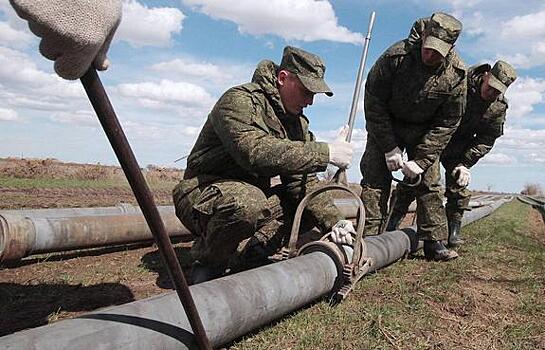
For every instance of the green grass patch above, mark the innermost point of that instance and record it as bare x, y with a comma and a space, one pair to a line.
490, 297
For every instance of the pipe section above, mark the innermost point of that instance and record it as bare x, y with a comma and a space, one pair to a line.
22, 235
34, 231
229, 307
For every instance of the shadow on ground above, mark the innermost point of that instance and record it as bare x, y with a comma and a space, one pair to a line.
153, 262
28, 306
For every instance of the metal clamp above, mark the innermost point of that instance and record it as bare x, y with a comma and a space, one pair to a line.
349, 270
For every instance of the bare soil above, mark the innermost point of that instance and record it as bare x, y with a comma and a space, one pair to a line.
43, 289
51, 197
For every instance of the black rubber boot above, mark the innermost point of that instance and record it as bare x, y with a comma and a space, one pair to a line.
202, 273
254, 254
454, 239
436, 251
394, 221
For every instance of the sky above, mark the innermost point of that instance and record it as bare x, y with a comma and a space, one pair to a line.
171, 60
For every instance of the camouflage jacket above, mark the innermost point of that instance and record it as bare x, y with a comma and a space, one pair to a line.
410, 104
250, 137
481, 125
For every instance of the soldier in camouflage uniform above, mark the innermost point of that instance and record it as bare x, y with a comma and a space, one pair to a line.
257, 131
414, 100
481, 125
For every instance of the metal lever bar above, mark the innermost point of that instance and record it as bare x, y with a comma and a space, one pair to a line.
340, 175
108, 119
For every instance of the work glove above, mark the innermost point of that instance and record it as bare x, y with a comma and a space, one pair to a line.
462, 175
342, 231
411, 169
394, 159
340, 151
75, 34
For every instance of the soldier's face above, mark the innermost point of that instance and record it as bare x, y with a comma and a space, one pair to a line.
488, 93
295, 97
431, 58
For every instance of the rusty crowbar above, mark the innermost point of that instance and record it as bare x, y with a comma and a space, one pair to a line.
108, 119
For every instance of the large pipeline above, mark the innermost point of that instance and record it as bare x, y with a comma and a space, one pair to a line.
27, 232
229, 307
35, 231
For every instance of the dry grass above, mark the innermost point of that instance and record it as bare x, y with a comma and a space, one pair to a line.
53, 169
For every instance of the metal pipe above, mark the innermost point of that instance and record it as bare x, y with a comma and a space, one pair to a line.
359, 77
23, 235
536, 203
49, 213
230, 306
108, 119
36, 231
349, 207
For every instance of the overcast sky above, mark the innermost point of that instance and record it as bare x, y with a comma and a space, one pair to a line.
171, 60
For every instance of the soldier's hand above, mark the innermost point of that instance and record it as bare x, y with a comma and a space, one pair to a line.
340, 151
394, 159
462, 175
411, 169
75, 34
342, 231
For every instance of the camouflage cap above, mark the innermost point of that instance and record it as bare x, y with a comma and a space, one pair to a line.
308, 67
501, 76
441, 32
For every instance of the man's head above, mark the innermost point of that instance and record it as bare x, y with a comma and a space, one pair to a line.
299, 78
439, 37
497, 80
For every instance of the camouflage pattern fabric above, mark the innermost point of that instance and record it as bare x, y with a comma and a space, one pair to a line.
248, 138
481, 125
417, 108
376, 184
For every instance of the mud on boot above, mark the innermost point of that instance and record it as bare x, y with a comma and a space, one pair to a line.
436, 251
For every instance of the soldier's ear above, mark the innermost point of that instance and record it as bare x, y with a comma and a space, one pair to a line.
282, 76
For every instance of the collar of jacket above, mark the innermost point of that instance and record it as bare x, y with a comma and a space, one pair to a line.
265, 77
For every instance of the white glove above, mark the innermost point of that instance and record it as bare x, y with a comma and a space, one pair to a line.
340, 151
464, 176
411, 169
342, 231
394, 159
75, 34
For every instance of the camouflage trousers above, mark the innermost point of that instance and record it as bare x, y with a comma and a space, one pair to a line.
224, 215
458, 197
376, 184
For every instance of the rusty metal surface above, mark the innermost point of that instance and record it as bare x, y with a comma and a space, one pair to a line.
21, 236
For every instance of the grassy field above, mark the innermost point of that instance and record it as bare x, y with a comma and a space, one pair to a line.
492, 297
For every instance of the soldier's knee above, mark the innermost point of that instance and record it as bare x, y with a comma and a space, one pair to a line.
247, 205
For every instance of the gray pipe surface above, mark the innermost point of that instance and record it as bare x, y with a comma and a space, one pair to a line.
22, 235
229, 307
35, 231
123, 208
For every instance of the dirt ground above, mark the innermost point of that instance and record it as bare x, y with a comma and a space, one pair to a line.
16, 198
46, 288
